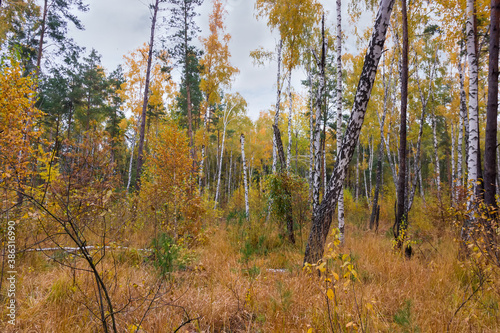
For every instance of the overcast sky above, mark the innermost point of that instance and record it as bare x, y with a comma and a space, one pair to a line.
117, 27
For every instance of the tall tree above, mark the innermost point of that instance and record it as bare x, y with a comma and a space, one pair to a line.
54, 24
490, 167
142, 129
401, 218
322, 219
183, 13
339, 111
217, 71
473, 157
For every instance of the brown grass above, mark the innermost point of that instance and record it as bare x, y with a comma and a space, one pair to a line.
224, 291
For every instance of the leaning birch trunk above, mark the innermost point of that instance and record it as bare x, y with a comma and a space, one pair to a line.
339, 113
357, 173
473, 104
278, 96
317, 128
245, 181
289, 147
322, 219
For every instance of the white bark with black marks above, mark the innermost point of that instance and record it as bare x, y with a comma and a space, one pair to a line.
323, 217
245, 176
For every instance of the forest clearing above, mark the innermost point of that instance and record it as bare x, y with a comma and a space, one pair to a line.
342, 175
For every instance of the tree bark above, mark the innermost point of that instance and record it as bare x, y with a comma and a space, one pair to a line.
473, 102
245, 176
340, 209
317, 129
40, 42
401, 222
289, 147
322, 219
278, 102
490, 168
140, 147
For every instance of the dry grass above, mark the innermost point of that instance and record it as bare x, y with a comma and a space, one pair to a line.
230, 289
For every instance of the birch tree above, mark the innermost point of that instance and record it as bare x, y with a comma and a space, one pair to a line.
322, 219
339, 111
245, 176
234, 104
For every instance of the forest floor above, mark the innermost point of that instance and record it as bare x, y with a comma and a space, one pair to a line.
243, 278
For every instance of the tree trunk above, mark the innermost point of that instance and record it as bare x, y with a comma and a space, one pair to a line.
473, 102
130, 163
311, 140
437, 171
340, 215
401, 222
245, 181
140, 154
461, 122
278, 101
453, 172
40, 42
317, 129
322, 219
229, 177
490, 167
289, 148
220, 168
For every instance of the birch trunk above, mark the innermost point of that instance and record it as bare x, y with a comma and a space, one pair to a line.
339, 113
473, 102
357, 173
278, 97
311, 140
220, 169
245, 177
317, 129
436, 156
464, 119
322, 219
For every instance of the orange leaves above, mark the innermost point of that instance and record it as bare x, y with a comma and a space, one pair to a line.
168, 184
18, 123
216, 70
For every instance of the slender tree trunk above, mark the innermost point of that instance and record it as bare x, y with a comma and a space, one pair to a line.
464, 117
436, 156
340, 209
289, 148
311, 140
317, 129
357, 173
245, 181
322, 219
140, 154
278, 102
453, 172
461, 122
41, 41
130, 163
220, 168
229, 177
401, 222
490, 168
